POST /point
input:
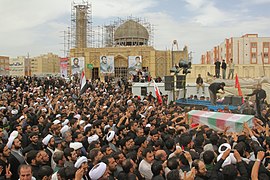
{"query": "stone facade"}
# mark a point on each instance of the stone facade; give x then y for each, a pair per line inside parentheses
(242, 70)
(158, 62)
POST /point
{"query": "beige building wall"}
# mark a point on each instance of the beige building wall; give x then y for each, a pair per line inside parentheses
(158, 62)
(248, 49)
(47, 64)
(4, 65)
(242, 70)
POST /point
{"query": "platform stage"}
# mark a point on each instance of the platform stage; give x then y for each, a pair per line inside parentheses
(200, 104)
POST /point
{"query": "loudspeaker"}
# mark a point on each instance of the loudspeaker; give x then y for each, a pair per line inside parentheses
(180, 81)
(106, 78)
(228, 100)
(236, 100)
(169, 83)
(136, 78)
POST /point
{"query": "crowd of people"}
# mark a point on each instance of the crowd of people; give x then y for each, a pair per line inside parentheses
(49, 131)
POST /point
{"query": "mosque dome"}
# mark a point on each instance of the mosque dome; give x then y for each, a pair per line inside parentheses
(131, 33)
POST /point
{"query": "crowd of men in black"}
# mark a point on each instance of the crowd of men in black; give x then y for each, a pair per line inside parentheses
(49, 131)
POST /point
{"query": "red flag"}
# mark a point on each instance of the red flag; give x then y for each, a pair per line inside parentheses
(237, 85)
(236, 81)
(157, 93)
(149, 78)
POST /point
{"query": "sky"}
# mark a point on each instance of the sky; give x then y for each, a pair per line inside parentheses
(36, 26)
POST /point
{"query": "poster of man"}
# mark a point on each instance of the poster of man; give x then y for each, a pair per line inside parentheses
(134, 63)
(106, 64)
(77, 65)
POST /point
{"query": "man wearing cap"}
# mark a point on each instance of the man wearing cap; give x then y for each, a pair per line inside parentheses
(49, 143)
(16, 158)
(14, 118)
(111, 138)
(92, 140)
(77, 146)
(59, 147)
(82, 163)
(215, 88)
(56, 127)
(99, 171)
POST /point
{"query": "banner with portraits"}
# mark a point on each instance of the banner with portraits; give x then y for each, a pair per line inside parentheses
(64, 67)
(77, 65)
(107, 64)
(134, 64)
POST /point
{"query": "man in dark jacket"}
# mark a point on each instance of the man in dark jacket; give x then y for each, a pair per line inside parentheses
(223, 67)
(260, 97)
(34, 145)
(215, 88)
(217, 68)
(199, 83)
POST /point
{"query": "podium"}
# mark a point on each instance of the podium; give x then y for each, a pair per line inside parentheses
(228, 100)
(236, 100)
(232, 100)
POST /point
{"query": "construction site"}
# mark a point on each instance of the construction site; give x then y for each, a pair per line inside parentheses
(123, 38)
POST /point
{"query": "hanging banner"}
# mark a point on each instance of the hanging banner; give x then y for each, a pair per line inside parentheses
(134, 64)
(106, 64)
(64, 67)
(77, 65)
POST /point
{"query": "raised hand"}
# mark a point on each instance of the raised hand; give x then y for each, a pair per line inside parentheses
(8, 172)
(226, 154)
(260, 155)
(237, 156)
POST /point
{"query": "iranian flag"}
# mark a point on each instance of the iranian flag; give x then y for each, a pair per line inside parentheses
(83, 83)
(157, 93)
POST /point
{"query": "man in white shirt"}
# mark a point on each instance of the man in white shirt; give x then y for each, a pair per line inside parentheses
(145, 164)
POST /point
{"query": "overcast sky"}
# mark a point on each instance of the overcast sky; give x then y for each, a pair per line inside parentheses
(34, 26)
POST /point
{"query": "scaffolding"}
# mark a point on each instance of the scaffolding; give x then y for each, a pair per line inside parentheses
(66, 42)
(103, 36)
(81, 25)
(82, 33)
